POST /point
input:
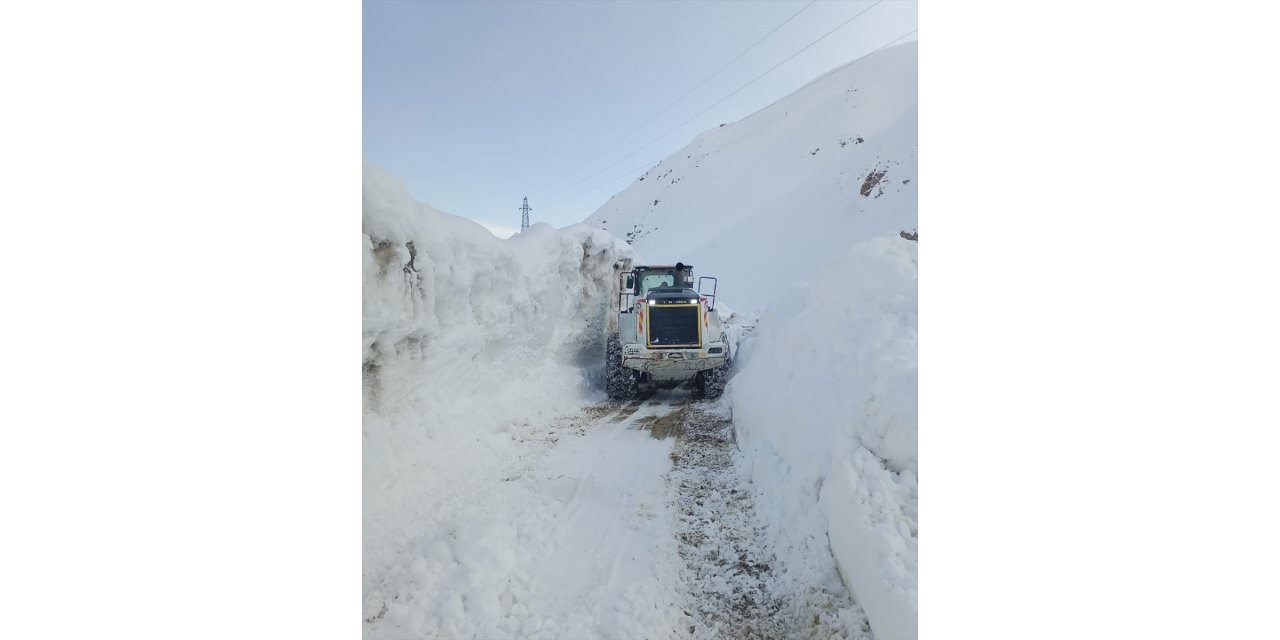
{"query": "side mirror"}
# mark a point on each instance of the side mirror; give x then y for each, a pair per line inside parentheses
(631, 282)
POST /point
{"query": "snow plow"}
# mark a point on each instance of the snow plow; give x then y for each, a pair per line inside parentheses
(662, 329)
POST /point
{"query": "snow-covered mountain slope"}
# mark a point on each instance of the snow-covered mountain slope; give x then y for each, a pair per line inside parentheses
(470, 345)
(798, 209)
(763, 202)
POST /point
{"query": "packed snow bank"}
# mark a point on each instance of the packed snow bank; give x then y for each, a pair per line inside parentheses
(468, 342)
(824, 404)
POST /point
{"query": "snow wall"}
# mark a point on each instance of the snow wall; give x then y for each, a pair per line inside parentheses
(468, 341)
(824, 405)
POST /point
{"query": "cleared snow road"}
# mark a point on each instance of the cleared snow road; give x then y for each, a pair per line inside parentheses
(632, 520)
(730, 574)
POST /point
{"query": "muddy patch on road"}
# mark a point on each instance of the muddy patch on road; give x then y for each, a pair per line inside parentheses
(662, 427)
(627, 411)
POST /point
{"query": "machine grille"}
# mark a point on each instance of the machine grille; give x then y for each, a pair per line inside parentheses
(673, 326)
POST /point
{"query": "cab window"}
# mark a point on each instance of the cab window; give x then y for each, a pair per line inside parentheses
(654, 280)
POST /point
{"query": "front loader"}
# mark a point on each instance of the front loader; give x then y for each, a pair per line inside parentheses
(662, 329)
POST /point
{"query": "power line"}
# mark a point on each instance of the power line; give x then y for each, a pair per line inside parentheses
(673, 103)
(655, 162)
(891, 42)
(726, 66)
(610, 180)
(716, 103)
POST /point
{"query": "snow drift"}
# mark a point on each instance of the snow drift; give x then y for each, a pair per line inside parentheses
(468, 342)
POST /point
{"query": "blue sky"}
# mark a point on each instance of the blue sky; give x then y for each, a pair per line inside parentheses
(475, 105)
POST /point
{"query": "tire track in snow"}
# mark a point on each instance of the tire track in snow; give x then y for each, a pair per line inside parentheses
(729, 566)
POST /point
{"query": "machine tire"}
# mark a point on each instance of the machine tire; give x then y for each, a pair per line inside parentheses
(710, 383)
(620, 382)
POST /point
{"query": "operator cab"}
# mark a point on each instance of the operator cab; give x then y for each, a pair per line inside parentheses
(663, 279)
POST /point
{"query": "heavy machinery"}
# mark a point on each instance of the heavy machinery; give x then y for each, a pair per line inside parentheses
(662, 329)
